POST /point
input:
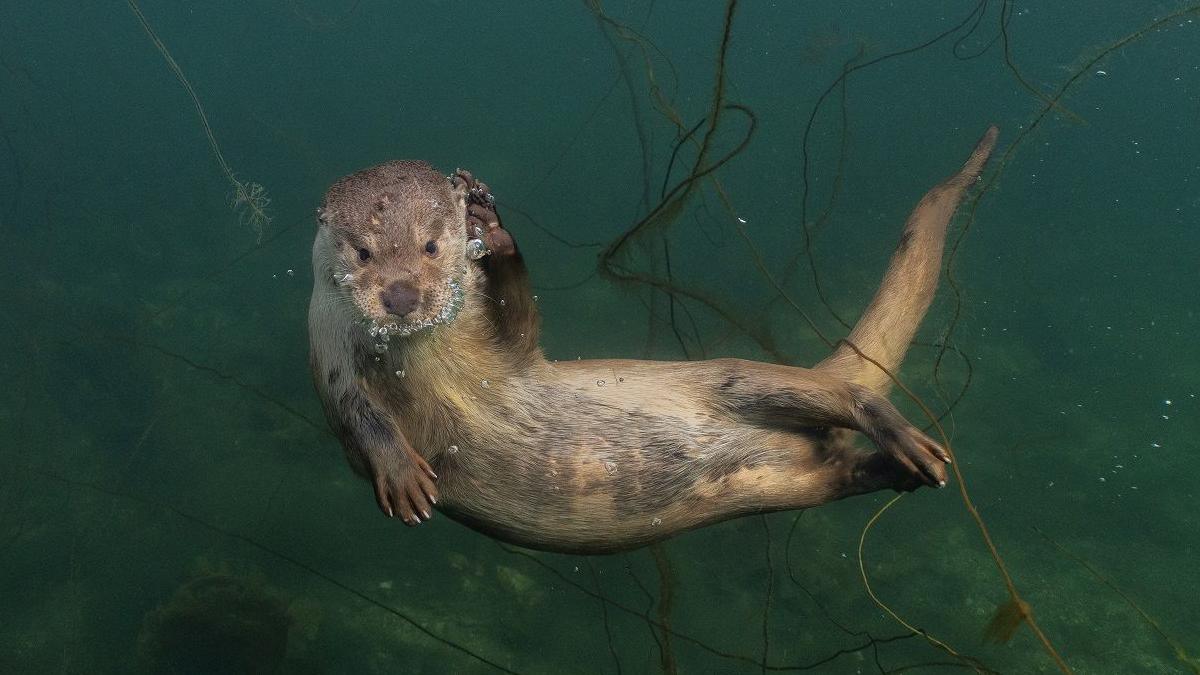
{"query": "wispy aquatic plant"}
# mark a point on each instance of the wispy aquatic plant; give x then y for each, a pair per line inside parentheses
(248, 199)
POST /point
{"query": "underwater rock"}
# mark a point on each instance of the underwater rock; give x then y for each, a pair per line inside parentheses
(217, 623)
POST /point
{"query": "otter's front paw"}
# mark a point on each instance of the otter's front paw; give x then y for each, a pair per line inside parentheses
(482, 219)
(406, 489)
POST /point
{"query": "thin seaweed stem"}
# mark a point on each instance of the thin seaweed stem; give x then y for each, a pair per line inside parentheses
(249, 199)
(862, 570)
(1016, 608)
(612, 649)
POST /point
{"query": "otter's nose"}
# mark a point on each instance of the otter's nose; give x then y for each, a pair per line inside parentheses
(400, 298)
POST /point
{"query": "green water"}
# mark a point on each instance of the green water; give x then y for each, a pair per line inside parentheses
(163, 452)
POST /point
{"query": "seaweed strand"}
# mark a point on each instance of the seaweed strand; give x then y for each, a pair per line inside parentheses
(862, 570)
(612, 649)
(249, 197)
(666, 595)
(766, 616)
(1002, 163)
(658, 643)
(1016, 610)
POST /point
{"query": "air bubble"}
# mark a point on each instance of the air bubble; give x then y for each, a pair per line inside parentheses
(476, 249)
(291, 273)
(484, 383)
(611, 468)
(656, 522)
(452, 449)
(399, 373)
(599, 383)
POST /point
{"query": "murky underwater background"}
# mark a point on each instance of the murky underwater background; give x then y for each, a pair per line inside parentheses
(170, 501)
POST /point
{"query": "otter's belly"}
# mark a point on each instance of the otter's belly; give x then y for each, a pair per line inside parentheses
(625, 480)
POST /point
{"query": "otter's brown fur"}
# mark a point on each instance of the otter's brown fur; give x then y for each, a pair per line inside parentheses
(592, 456)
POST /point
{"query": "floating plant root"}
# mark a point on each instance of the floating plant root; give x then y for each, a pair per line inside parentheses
(248, 199)
(862, 570)
(1016, 610)
(666, 592)
(669, 208)
(1051, 104)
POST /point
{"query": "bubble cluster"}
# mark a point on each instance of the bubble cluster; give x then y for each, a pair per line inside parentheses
(383, 332)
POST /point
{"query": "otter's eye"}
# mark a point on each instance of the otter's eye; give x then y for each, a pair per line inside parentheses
(431, 247)
(364, 255)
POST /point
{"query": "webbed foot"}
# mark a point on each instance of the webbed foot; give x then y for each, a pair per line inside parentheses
(915, 454)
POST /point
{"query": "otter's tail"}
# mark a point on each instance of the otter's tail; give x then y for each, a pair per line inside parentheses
(890, 322)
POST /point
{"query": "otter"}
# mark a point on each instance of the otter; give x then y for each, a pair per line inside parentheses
(427, 362)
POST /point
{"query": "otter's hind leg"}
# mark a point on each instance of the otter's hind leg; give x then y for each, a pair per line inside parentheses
(787, 398)
(858, 472)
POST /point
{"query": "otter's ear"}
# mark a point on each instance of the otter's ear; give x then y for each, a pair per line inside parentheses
(460, 186)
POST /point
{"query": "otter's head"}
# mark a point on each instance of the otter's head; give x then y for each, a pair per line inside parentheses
(398, 237)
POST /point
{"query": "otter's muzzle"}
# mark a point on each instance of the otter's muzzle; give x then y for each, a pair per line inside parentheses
(400, 298)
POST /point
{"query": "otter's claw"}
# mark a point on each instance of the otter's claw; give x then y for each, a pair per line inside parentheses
(919, 455)
(407, 491)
